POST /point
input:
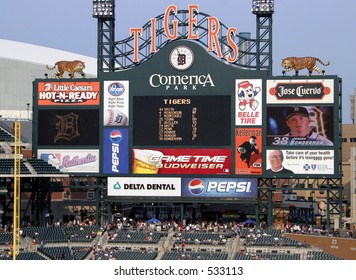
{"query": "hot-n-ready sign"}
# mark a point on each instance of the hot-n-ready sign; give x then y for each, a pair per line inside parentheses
(68, 93)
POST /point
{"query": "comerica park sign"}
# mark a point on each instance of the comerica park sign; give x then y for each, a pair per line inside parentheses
(171, 31)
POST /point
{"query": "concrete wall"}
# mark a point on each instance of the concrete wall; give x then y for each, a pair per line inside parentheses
(341, 247)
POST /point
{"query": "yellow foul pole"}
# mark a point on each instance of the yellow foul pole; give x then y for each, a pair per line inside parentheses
(17, 208)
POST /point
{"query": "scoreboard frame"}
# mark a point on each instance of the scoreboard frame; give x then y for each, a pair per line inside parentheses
(252, 99)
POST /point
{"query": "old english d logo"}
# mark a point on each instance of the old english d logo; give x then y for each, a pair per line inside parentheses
(67, 127)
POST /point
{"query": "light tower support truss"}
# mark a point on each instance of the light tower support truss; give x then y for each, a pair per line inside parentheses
(106, 62)
(264, 42)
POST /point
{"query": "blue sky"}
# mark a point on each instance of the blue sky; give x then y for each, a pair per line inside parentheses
(324, 29)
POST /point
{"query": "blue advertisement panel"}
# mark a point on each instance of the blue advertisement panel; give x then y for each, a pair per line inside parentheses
(219, 187)
(116, 151)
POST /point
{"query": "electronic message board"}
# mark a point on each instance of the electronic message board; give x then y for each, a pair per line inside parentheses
(182, 120)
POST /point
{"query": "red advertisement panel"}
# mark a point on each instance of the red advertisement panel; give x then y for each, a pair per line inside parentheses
(181, 161)
(68, 93)
(248, 152)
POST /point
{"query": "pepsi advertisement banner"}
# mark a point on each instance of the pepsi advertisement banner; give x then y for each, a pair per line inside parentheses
(116, 149)
(219, 187)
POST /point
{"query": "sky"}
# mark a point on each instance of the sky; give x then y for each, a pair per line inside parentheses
(319, 28)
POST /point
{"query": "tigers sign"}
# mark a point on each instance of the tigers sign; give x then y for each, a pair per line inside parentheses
(171, 31)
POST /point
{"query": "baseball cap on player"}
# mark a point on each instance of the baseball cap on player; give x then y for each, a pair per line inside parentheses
(297, 110)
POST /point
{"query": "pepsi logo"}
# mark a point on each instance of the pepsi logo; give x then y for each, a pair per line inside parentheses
(116, 89)
(115, 136)
(196, 186)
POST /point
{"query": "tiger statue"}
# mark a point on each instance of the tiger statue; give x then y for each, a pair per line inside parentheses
(297, 63)
(69, 66)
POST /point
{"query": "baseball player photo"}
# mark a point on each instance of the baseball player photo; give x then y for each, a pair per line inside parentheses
(300, 126)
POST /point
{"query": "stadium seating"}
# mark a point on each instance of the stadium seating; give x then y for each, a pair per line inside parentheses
(320, 255)
(202, 238)
(7, 166)
(194, 256)
(81, 233)
(43, 167)
(80, 242)
(35, 256)
(57, 253)
(134, 255)
(6, 238)
(6, 137)
(137, 237)
(47, 234)
(80, 253)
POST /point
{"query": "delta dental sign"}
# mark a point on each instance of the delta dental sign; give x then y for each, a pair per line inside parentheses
(171, 31)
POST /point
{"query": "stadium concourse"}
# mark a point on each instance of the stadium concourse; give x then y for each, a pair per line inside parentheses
(128, 239)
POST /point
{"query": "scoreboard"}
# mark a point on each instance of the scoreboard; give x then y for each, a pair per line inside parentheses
(182, 118)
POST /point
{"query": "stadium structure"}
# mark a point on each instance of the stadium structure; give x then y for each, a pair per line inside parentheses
(153, 134)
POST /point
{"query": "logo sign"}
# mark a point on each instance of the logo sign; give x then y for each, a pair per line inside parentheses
(219, 187)
(116, 89)
(181, 161)
(144, 186)
(290, 91)
(171, 31)
(181, 82)
(248, 102)
(116, 103)
(72, 161)
(68, 93)
(116, 151)
(181, 58)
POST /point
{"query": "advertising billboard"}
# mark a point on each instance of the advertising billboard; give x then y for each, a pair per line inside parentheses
(72, 161)
(219, 187)
(55, 93)
(144, 186)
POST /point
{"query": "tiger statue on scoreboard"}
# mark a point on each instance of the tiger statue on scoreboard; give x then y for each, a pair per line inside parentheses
(298, 63)
(75, 66)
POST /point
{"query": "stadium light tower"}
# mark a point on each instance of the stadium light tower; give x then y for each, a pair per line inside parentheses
(104, 11)
(263, 9)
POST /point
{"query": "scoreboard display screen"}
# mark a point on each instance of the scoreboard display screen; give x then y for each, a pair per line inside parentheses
(182, 120)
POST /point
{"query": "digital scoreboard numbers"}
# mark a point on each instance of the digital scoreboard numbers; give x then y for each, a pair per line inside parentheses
(182, 120)
(169, 119)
